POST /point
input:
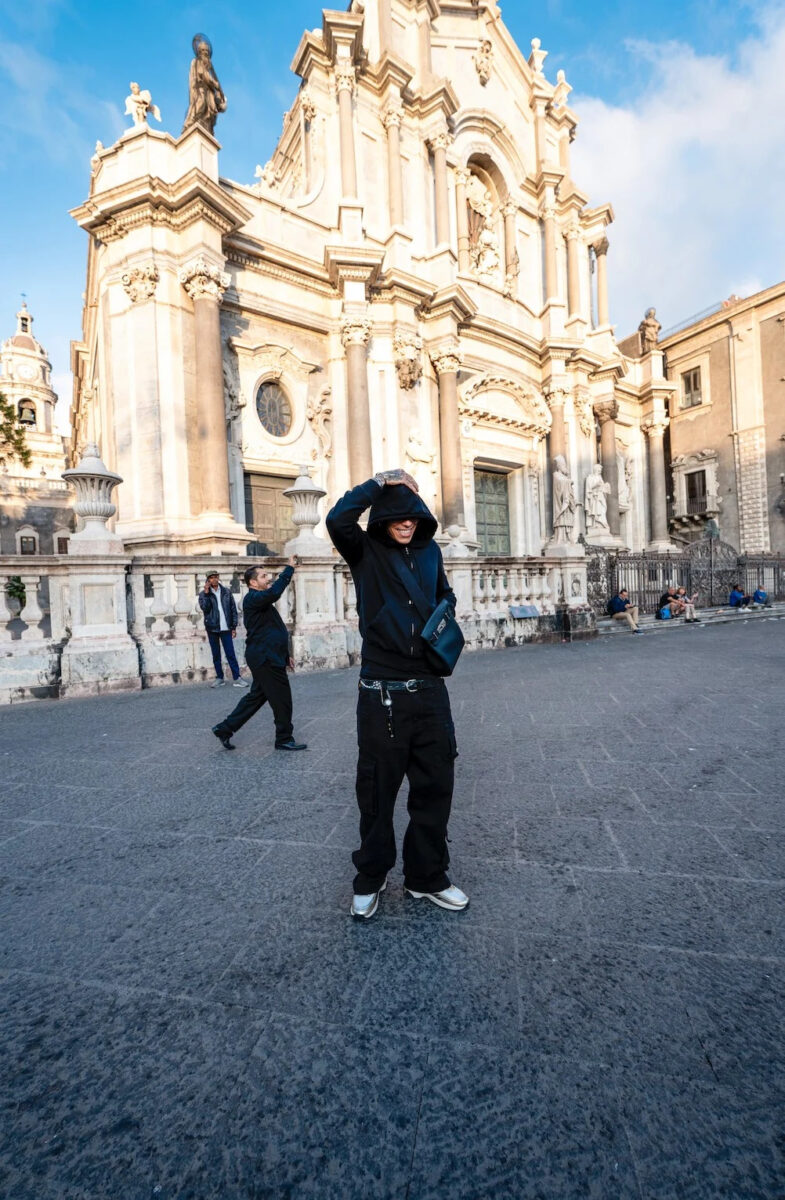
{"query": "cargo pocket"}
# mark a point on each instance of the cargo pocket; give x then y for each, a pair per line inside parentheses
(367, 797)
(450, 745)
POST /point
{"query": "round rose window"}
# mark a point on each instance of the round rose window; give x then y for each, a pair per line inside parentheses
(274, 409)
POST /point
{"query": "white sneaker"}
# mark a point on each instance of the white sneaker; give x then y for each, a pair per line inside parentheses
(451, 897)
(366, 906)
(239, 683)
(218, 683)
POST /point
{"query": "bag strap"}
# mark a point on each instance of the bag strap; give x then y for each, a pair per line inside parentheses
(406, 576)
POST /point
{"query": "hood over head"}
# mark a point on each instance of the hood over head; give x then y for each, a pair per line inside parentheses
(396, 503)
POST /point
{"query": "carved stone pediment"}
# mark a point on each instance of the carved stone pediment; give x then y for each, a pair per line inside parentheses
(496, 400)
(274, 360)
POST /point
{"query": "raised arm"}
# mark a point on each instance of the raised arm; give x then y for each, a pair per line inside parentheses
(260, 600)
(342, 519)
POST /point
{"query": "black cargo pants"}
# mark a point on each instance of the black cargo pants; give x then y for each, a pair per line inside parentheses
(423, 749)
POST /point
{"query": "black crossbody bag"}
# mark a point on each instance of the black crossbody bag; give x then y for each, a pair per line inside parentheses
(442, 637)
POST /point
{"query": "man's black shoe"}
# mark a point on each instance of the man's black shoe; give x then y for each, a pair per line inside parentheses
(223, 737)
(291, 744)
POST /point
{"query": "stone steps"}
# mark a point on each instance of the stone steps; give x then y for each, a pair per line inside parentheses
(720, 615)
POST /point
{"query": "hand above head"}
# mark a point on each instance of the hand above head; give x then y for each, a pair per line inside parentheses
(293, 560)
(395, 477)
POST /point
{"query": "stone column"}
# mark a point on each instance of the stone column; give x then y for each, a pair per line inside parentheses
(510, 212)
(557, 443)
(206, 285)
(573, 270)
(607, 411)
(655, 429)
(600, 250)
(447, 361)
(438, 144)
(462, 218)
(355, 332)
(548, 215)
(345, 82)
(392, 116)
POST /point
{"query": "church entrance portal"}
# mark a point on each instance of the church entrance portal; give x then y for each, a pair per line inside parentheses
(268, 513)
(492, 506)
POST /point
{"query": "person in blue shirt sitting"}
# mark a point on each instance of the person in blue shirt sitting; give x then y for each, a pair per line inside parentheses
(738, 599)
(621, 609)
(761, 597)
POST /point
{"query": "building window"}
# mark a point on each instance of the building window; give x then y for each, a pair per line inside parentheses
(493, 511)
(26, 411)
(691, 388)
(62, 545)
(696, 492)
(27, 545)
(274, 409)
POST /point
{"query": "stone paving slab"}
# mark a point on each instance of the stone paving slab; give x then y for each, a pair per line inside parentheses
(189, 1012)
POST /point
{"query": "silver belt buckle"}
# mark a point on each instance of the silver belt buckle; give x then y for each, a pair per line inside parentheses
(411, 685)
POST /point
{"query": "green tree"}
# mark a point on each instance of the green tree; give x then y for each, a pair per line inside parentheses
(12, 434)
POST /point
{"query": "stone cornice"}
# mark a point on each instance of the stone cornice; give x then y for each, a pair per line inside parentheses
(309, 54)
(277, 263)
(149, 200)
(396, 284)
(603, 214)
(358, 263)
(451, 301)
(342, 29)
(391, 71)
(439, 100)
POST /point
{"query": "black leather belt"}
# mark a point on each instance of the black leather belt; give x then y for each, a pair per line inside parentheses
(399, 685)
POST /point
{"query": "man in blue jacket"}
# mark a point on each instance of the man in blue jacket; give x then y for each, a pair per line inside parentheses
(220, 622)
(267, 655)
(404, 724)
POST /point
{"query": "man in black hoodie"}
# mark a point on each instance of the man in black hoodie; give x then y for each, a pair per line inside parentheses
(404, 724)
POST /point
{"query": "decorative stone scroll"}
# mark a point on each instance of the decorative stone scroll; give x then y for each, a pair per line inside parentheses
(140, 282)
(407, 348)
(201, 281)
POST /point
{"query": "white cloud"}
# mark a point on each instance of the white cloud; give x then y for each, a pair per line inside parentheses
(694, 171)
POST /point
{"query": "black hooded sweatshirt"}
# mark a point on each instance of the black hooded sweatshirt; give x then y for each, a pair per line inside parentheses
(390, 625)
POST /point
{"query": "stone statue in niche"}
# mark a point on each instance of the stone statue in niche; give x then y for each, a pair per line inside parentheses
(624, 474)
(483, 242)
(421, 463)
(649, 329)
(563, 502)
(138, 104)
(319, 414)
(205, 94)
(482, 61)
(595, 490)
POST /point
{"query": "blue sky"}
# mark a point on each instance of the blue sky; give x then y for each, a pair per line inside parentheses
(680, 108)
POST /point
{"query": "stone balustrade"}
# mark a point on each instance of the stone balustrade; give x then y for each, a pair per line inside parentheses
(95, 622)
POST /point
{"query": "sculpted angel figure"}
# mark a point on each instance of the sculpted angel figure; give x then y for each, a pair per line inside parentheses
(563, 501)
(139, 104)
(596, 489)
(205, 94)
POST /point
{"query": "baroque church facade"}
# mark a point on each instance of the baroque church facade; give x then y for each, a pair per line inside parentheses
(414, 279)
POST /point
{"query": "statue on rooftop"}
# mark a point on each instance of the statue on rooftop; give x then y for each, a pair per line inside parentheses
(139, 103)
(649, 329)
(205, 95)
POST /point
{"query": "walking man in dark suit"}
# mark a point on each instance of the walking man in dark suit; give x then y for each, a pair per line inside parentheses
(267, 655)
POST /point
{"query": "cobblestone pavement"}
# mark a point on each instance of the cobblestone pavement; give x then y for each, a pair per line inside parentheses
(189, 1011)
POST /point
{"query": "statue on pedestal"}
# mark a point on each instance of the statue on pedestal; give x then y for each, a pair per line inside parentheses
(596, 489)
(139, 104)
(563, 501)
(205, 95)
(649, 329)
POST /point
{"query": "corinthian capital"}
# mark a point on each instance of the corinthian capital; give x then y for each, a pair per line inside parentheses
(393, 112)
(655, 426)
(572, 231)
(345, 76)
(355, 330)
(462, 176)
(555, 396)
(600, 247)
(547, 212)
(606, 410)
(140, 282)
(201, 281)
(440, 140)
(446, 358)
(509, 208)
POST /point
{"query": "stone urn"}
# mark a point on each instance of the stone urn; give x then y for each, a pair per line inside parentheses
(93, 483)
(305, 496)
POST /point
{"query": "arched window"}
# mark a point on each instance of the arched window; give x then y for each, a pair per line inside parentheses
(26, 413)
(274, 408)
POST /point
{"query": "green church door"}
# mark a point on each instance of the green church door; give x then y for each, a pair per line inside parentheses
(493, 512)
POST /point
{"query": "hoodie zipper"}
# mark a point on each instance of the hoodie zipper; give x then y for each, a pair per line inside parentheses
(411, 606)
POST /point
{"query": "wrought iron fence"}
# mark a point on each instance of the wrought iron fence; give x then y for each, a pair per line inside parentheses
(708, 567)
